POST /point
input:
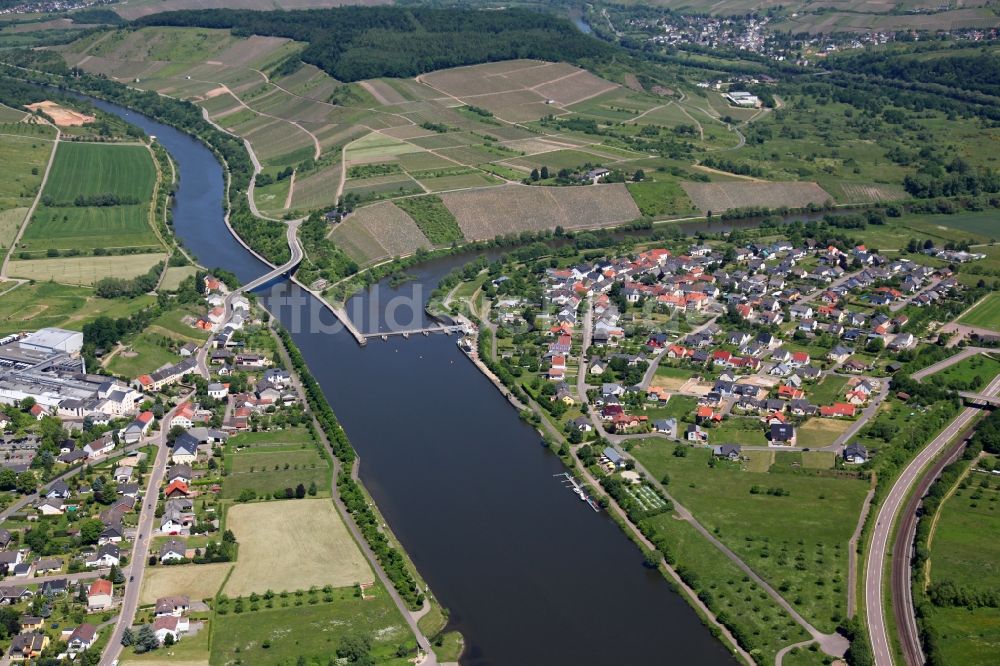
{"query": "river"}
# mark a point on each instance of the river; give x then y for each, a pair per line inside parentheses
(531, 575)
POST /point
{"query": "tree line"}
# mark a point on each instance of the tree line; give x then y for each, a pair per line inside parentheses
(354, 43)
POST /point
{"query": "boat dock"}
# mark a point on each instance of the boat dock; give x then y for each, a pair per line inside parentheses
(569, 481)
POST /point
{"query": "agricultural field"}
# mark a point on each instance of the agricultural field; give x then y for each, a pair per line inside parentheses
(491, 212)
(985, 314)
(293, 545)
(97, 196)
(266, 472)
(198, 581)
(805, 553)
(89, 169)
(84, 270)
(292, 628)
(379, 231)
(717, 197)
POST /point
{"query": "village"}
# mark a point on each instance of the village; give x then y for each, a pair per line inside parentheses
(113, 459)
(760, 347)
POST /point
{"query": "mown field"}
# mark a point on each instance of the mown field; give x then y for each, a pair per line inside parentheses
(85, 169)
(198, 581)
(804, 554)
(293, 545)
(84, 270)
(144, 354)
(986, 313)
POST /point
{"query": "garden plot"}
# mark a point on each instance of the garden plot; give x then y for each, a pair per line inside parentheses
(646, 497)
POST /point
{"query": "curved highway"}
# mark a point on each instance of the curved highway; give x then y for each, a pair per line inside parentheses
(886, 518)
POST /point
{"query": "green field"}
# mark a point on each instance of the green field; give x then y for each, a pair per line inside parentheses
(964, 551)
(970, 374)
(271, 438)
(748, 431)
(804, 552)
(24, 159)
(171, 323)
(268, 469)
(295, 627)
(80, 172)
(967, 638)
(91, 168)
(143, 354)
(33, 306)
(828, 391)
(88, 228)
(766, 626)
(433, 218)
(661, 198)
(985, 314)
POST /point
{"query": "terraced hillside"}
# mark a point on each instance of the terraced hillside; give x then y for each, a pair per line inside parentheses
(505, 145)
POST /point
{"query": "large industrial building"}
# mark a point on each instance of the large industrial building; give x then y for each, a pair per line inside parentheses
(46, 366)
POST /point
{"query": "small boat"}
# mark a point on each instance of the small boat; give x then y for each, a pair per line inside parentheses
(579, 491)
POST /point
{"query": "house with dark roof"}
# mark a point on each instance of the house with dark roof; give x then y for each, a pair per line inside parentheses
(173, 550)
(855, 454)
(782, 434)
(728, 451)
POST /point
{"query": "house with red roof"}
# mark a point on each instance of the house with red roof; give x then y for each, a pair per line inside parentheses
(837, 410)
(100, 595)
(177, 488)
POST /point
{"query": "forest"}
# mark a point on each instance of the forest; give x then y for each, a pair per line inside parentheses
(353, 43)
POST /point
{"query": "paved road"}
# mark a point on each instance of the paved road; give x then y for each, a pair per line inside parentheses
(866, 415)
(140, 547)
(901, 564)
(68, 474)
(951, 360)
(886, 518)
(896, 306)
(582, 368)
(647, 378)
